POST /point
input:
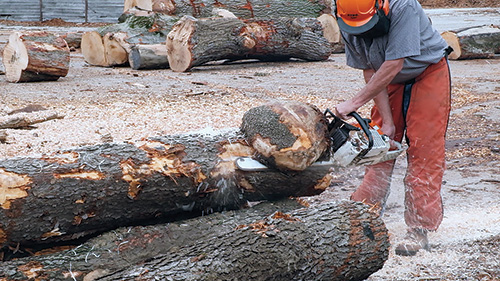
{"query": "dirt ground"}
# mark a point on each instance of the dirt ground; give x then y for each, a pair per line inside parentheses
(121, 104)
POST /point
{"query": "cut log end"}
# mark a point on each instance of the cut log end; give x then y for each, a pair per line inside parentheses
(35, 56)
(179, 46)
(15, 58)
(452, 40)
(93, 49)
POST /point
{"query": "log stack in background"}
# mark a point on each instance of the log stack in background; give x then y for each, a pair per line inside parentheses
(35, 56)
(148, 23)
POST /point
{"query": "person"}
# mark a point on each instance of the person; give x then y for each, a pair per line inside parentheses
(405, 67)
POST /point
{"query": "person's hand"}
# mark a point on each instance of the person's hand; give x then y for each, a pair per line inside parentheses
(389, 130)
(344, 108)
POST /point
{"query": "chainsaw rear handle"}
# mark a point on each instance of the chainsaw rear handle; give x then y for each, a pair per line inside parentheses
(365, 126)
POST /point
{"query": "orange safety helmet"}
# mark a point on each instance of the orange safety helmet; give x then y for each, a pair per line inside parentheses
(365, 18)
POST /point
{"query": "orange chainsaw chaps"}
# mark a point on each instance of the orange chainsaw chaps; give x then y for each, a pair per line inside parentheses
(425, 130)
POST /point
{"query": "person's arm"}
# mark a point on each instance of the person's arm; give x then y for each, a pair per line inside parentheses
(376, 85)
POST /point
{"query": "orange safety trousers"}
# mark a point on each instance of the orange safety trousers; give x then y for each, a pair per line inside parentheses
(425, 129)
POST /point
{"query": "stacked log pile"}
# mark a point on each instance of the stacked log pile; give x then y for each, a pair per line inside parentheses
(301, 29)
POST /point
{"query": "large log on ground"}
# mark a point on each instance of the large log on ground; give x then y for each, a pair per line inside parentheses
(35, 56)
(241, 8)
(281, 241)
(110, 45)
(96, 188)
(194, 42)
(474, 42)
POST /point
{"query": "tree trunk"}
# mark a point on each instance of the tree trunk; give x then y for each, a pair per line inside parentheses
(280, 241)
(96, 188)
(92, 47)
(148, 56)
(74, 39)
(474, 42)
(241, 8)
(195, 42)
(116, 48)
(35, 56)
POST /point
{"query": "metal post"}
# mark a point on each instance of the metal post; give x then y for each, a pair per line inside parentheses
(86, 11)
(41, 10)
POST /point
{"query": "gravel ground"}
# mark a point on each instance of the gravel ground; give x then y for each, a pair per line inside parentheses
(121, 104)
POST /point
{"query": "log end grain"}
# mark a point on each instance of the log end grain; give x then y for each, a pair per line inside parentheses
(15, 57)
(93, 49)
(179, 44)
(452, 40)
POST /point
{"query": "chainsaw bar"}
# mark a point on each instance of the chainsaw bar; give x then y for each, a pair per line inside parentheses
(248, 164)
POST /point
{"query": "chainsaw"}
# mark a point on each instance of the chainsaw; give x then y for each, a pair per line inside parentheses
(350, 145)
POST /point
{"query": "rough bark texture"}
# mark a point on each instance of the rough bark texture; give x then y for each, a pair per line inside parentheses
(280, 241)
(288, 135)
(35, 56)
(241, 8)
(474, 42)
(193, 42)
(96, 188)
(148, 56)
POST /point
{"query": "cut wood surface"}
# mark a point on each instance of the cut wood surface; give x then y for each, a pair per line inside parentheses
(95, 188)
(111, 45)
(288, 135)
(474, 43)
(241, 8)
(23, 119)
(35, 56)
(193, 42)
(271, 241)
(148, 56)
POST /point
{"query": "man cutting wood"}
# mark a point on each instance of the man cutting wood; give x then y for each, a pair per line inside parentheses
(404, 64)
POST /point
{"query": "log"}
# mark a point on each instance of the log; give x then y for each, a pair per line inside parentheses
(152, 56)
(193, 42)
(241, 8)
(91, 189)
(110, 45)
(73, 39)
(93, 49)
(281, 241)
(35, 56)
(478, 42)
(25, 119)
(287, 135)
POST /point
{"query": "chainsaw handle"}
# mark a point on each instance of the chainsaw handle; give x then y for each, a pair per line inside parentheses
(366, 129)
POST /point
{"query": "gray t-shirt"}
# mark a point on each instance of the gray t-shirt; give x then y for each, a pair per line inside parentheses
(411, 36)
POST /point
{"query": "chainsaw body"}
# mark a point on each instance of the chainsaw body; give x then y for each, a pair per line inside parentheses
(350, 145)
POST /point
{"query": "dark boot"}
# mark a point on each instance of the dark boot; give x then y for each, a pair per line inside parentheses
(414, 241)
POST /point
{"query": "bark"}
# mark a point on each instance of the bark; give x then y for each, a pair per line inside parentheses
(74, 39)
(23, 119)
(280, 241)
(241, 8)
(194, 42)
(148, 57)
(474, 42)
(91, 189)
(35, 56)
